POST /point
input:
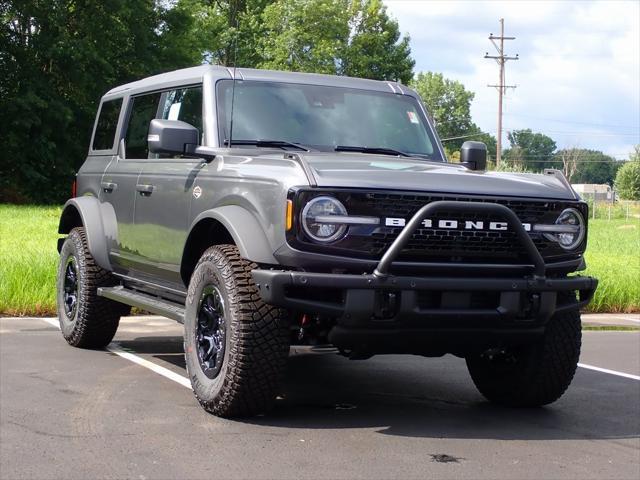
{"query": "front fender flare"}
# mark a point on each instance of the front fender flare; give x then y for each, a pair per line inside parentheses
(99, 222)
(246, 231)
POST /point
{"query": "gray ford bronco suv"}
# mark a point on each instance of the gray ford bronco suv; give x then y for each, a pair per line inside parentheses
(264, 209)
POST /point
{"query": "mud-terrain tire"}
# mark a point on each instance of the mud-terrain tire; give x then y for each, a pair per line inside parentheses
(236, 346)
(86, 320)
(532, 375)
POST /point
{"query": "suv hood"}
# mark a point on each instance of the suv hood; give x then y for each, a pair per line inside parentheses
(392, 173)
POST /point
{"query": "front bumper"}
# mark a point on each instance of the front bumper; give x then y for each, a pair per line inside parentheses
(427, 316)
(356, 299)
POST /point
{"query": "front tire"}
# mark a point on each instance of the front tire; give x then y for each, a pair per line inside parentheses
(86, 320)
(531, 375)
(236, 346)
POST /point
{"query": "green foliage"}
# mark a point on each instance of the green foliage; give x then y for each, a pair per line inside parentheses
(612, 257)
(344, 37)
(28, 259)
(591, 166)
(449, 103)
(305, 36)
(57, 60)
(375, 49)
(628, 181)
(222, 32)
(533, 151)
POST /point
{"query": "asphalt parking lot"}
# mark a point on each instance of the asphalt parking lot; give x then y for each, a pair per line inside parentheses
(70, 413)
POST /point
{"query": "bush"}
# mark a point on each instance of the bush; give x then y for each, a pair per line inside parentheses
(628, 181)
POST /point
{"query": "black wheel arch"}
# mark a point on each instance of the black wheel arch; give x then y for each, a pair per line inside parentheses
(231, 225)
(99, 222)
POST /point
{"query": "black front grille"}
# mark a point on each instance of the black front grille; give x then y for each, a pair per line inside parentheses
(446, 245)
(455, 244)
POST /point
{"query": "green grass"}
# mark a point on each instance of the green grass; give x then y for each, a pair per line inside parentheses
(28, 260)
(613, 256)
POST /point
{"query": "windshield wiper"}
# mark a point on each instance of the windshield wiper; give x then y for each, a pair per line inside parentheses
(379, 150)
(268, 143)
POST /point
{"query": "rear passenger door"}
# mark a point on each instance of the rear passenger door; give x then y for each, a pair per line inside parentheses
(165, 193)
(120, 181)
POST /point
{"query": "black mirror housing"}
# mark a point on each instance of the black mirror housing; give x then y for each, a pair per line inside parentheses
(473, 155)
(172, 137)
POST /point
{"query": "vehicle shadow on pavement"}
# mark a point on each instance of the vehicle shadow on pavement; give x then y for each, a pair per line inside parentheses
(418, 397)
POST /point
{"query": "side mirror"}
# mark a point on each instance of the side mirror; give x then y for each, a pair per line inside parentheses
(473, 155)
(172, 137)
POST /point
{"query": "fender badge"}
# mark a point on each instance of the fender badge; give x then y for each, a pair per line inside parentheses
(197, 191)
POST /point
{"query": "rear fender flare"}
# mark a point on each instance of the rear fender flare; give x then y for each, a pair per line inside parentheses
(99, 222)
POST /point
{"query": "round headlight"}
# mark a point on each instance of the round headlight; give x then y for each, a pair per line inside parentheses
(574, 233)
(315, 223)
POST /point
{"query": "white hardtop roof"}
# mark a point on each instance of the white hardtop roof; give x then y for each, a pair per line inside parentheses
(195, 75)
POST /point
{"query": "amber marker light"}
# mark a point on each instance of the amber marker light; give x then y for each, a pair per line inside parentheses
(289, 222)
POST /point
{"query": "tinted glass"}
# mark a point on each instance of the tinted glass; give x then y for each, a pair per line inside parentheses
(324, 117)
(107, 124)
(186, 105)
(143, 110)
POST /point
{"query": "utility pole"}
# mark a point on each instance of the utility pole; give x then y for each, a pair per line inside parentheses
(501, 59)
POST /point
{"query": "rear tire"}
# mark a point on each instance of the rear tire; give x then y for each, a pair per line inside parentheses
(531, 375)
(86, 320)
(236, 346)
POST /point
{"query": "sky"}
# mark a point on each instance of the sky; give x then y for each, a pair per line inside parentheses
(578, 73)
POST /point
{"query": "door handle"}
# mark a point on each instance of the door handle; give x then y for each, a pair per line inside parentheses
(108, 187)
(145, 190)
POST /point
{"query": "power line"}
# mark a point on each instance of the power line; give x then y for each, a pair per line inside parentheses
(477, 134)
(501, 59)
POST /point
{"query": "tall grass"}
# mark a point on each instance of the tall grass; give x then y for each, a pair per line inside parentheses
(613, 256)
(28, 260)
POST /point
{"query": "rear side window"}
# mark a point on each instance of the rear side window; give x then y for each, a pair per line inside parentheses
(107, 124)
(143, 110)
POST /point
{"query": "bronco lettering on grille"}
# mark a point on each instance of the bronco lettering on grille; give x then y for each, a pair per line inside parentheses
(455, 224)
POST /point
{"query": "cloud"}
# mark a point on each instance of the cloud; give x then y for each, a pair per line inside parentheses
(578, 76)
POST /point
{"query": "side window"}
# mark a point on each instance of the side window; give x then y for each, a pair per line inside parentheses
(107, 124)
(184, 104)
(143, 109)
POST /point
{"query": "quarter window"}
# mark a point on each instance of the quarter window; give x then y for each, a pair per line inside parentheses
(107, 124)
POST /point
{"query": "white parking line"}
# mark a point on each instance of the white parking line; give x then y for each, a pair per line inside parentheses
(165, 372)
(610, 372)
(184, 381)
(115, 348)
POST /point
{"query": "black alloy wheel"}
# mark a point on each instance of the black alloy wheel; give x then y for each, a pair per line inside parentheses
(70, 287)
(87, 320)
(211, 331)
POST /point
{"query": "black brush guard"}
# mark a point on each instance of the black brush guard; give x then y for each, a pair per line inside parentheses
(384, 305)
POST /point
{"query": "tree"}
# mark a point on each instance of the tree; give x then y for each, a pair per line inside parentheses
(375, 49)
(57, 59)
(569, 160)
(343, 37)
(587, 166)
(532, 151)
(628, 177)
(306, 36)
(221, 32)
(449, 103)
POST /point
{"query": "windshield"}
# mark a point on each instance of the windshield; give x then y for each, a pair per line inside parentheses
(324, 118)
